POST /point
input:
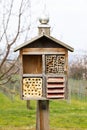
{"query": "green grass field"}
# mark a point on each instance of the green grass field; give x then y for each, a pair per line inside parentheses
(63, 116)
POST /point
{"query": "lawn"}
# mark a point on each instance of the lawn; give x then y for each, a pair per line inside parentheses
(63, 116)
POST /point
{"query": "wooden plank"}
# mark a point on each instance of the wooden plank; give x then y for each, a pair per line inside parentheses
(21, 72)
(55, 75)
(39, 53)
(55, 96)
(51, 80)
(55, 91)
(43, 113)
(43, 72)
(66, 77)
(42, 50)
(55, 85)
(32, 75)
(34, 98)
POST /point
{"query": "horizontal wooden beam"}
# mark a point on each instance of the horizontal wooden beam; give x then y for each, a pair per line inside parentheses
(27, 51)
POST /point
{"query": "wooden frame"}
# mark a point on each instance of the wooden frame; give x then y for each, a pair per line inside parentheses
(33, 52)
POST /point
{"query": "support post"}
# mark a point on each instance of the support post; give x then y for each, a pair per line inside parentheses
(42, 117)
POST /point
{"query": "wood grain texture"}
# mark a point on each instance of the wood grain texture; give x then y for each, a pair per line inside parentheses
(32, 64)
(44, 50)
(55, 87)
(43, 115)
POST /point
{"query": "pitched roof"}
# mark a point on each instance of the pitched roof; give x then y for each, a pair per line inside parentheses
(45, 36)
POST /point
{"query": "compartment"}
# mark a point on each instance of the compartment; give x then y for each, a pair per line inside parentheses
(32, 64)
(55, 87)
(32, 87)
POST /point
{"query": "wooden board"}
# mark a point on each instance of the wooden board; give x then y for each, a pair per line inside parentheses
(32, 64)
(27, 51)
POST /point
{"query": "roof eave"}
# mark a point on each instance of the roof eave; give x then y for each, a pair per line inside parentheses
(49, 37)
(26, 43)
(61, 43)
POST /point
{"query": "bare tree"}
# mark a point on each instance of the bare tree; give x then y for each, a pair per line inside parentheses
(78, 67)
(14, 25)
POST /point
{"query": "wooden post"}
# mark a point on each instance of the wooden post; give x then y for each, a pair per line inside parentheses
(42, 119)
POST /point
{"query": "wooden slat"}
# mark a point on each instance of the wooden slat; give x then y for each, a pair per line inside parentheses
(55, 85)
(55, 96)
(21, 72)
(38, 53)
(55, 80)
(33, 98)
(32, 75)
(55, 91)
(42, 50)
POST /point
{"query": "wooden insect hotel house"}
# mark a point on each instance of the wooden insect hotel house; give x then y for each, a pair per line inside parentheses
(44, 66)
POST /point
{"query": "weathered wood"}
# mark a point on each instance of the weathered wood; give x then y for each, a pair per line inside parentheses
(55, 87)
(55, 91)
(32, 75)
(43, 72)
(42, 53)
(43, 115)
(32, 64)
(21, 72)
(57, 79)
(66, 78)
(34, 98)
(45, 30)
(44, 50)
(55, 96)
(44, 41)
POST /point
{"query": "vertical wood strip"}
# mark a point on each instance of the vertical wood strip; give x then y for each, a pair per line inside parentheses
(43, 73)
(66, 76)
(21, 74)
(42, 115)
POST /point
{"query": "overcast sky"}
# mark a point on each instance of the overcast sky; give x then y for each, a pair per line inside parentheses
(68, 20)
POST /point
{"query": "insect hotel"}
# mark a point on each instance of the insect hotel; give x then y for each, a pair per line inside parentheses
(44, 71)
(44, 66)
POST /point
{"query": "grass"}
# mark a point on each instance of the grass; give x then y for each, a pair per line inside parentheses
(69, 115)
(63, 116)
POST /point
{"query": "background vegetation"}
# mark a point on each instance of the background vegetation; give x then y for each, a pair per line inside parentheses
(13, 111)
(64, 115)
(71, 114)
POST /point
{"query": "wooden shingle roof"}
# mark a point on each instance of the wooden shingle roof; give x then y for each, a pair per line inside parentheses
(47, 37)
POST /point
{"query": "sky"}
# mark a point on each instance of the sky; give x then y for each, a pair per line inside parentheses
(68, 20)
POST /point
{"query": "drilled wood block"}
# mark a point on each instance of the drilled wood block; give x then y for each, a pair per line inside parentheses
(32, 87)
